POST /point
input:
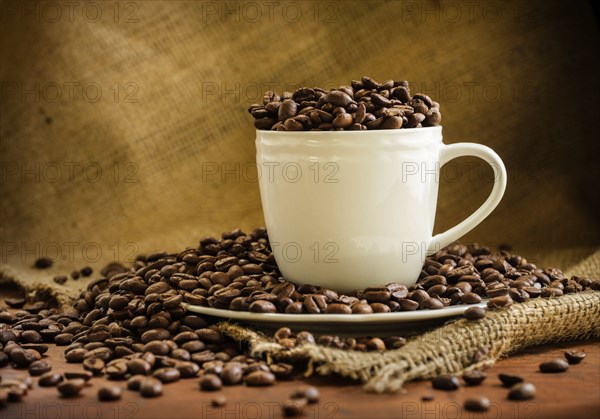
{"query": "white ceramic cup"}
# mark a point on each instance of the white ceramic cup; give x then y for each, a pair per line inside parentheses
(354, 209)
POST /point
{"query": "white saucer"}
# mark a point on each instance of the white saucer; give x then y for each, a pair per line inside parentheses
(398, 323)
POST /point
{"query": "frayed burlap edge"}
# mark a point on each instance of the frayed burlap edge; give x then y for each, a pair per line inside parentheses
(458, 346)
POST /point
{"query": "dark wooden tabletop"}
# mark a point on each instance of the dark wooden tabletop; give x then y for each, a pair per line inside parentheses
(573, 394)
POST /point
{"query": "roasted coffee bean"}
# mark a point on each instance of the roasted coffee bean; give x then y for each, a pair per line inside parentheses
(93, 365)
(259, 378)
(71, 388)
(4, 359)
(477, 404)
(49, 379)
(84, 375)
(262, 306)
(522, 391)
(474, 377)
(574, 357)
(167, 375)
(556, 365)
(310, 393)
(210, 382)
(431, 304)
(138, 366)
(445, 382)
(187, 369)
(509, 380)
(22, 358)
(87, 271)
(43, 263)
(338, 309)
(117, 371)
(109, 393)
(39, 367)
(474, 313)
(294, 407)
(150, 387)
(135, 381)
(500, 302)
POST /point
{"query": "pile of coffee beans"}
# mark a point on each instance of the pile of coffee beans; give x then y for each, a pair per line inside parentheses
(228, 276)
(364, 105)
(129, 325)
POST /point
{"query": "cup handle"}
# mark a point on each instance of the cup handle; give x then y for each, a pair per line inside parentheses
(453, 151)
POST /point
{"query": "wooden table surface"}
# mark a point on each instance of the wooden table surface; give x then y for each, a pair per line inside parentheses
(574, 394)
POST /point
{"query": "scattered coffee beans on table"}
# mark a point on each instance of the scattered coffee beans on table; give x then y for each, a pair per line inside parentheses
(129, 323)
(364, 105)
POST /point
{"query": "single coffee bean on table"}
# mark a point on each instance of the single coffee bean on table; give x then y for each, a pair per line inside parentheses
(109, 393)
(574, 357)
(445, 382)
(509, 380)
(150, 387)
(71, 388)
(522, 391)
(474, 377)
(477, 404)
(555, 365)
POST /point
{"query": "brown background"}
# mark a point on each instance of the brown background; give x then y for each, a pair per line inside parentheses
(518, 76)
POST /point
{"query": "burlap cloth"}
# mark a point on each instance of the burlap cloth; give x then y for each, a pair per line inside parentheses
(125, 133)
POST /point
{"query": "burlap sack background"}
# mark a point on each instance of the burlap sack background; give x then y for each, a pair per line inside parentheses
(154, 94)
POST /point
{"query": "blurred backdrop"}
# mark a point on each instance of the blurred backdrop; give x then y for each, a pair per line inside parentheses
(124, 126)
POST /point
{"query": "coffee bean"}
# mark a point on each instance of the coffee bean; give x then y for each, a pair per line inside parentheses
(84, 375)
(556, 365)
(39, 367)
(574, 357)
(338, 309)
(138, 366)
(87, 271)
(109, 393)
(522, 391)
(262, 306)
(155, 334)
(93, 365)
(294, 407)
(167, 375)
(259, 378)
(135, 381)
(16, 302)
(4, 359)
(22, 358)
(150, 387)
(232, 374)
(43, 263)
(71, 388)
(509, 380)
(477, 404)
(474, 377)
(445, 382)
(49, 379)
(117, 371)
(187, 369)
(210, 382)
(474, 313)
(310, 393)
(500, 302)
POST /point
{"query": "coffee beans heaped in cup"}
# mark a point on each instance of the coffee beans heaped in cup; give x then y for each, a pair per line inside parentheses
(364, 105)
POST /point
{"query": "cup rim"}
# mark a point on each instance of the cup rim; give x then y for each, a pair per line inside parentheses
(404, 134)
